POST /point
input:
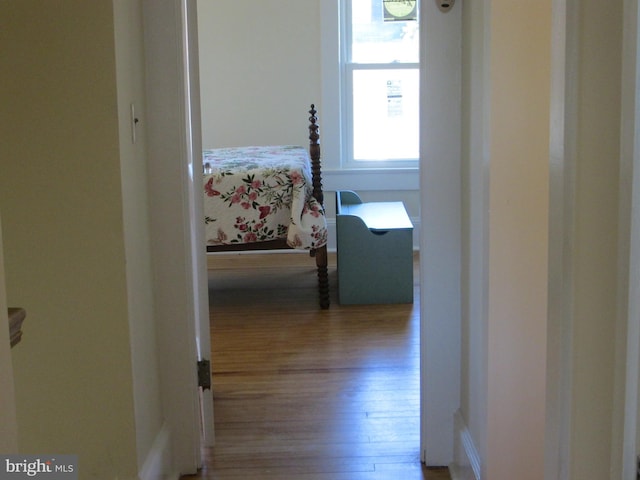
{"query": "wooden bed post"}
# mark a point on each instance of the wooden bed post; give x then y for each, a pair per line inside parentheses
(314, 153)
(320, 254)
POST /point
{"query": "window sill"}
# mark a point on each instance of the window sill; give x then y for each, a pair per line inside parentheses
(375, 179)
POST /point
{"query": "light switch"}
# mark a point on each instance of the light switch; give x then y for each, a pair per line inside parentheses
(134, 123)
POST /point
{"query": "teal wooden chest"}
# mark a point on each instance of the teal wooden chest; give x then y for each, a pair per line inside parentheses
(375, 251)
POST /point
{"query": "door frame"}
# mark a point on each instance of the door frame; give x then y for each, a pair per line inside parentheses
(630, 212)
(181, 301)
(440, 243)
(440, 236)
(196, 212)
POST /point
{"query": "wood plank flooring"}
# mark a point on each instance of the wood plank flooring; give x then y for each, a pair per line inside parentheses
(309, 394)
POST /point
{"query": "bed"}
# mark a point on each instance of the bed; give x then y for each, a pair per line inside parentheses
(268, 197)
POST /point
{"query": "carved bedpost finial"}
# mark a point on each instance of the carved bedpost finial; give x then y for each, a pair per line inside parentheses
(314, 153)
(313, 127)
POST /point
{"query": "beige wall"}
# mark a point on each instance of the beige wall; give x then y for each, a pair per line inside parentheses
(518, 235)
(66, 239)
(598, 95)
(506, 155)
(8, 423)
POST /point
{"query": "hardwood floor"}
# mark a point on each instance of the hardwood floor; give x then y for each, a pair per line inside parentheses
(310, 394)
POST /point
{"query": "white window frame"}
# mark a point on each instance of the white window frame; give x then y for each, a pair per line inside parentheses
(338, 174)
(347, 69)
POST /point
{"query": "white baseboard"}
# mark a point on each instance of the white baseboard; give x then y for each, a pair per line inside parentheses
(455, 473)
(467, 461)
(158, 464)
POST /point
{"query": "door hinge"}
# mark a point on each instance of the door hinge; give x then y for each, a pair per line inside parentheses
(204, 374)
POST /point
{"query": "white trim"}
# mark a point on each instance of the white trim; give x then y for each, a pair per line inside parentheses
(467, 462)
(170, 227)
(347, 69)
(196, 233)
(383, 179)
(440, 236)
(333, 107)
(329, 112)
(561, 239)
(158, 461)
(630, 167)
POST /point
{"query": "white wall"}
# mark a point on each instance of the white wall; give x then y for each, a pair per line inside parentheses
(260, 70)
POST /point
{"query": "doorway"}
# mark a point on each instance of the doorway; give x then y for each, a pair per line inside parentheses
(440, 187)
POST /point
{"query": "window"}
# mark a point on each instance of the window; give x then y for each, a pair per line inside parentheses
(380, 82)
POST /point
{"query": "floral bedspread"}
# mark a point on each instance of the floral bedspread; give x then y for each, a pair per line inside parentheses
(255, 194)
